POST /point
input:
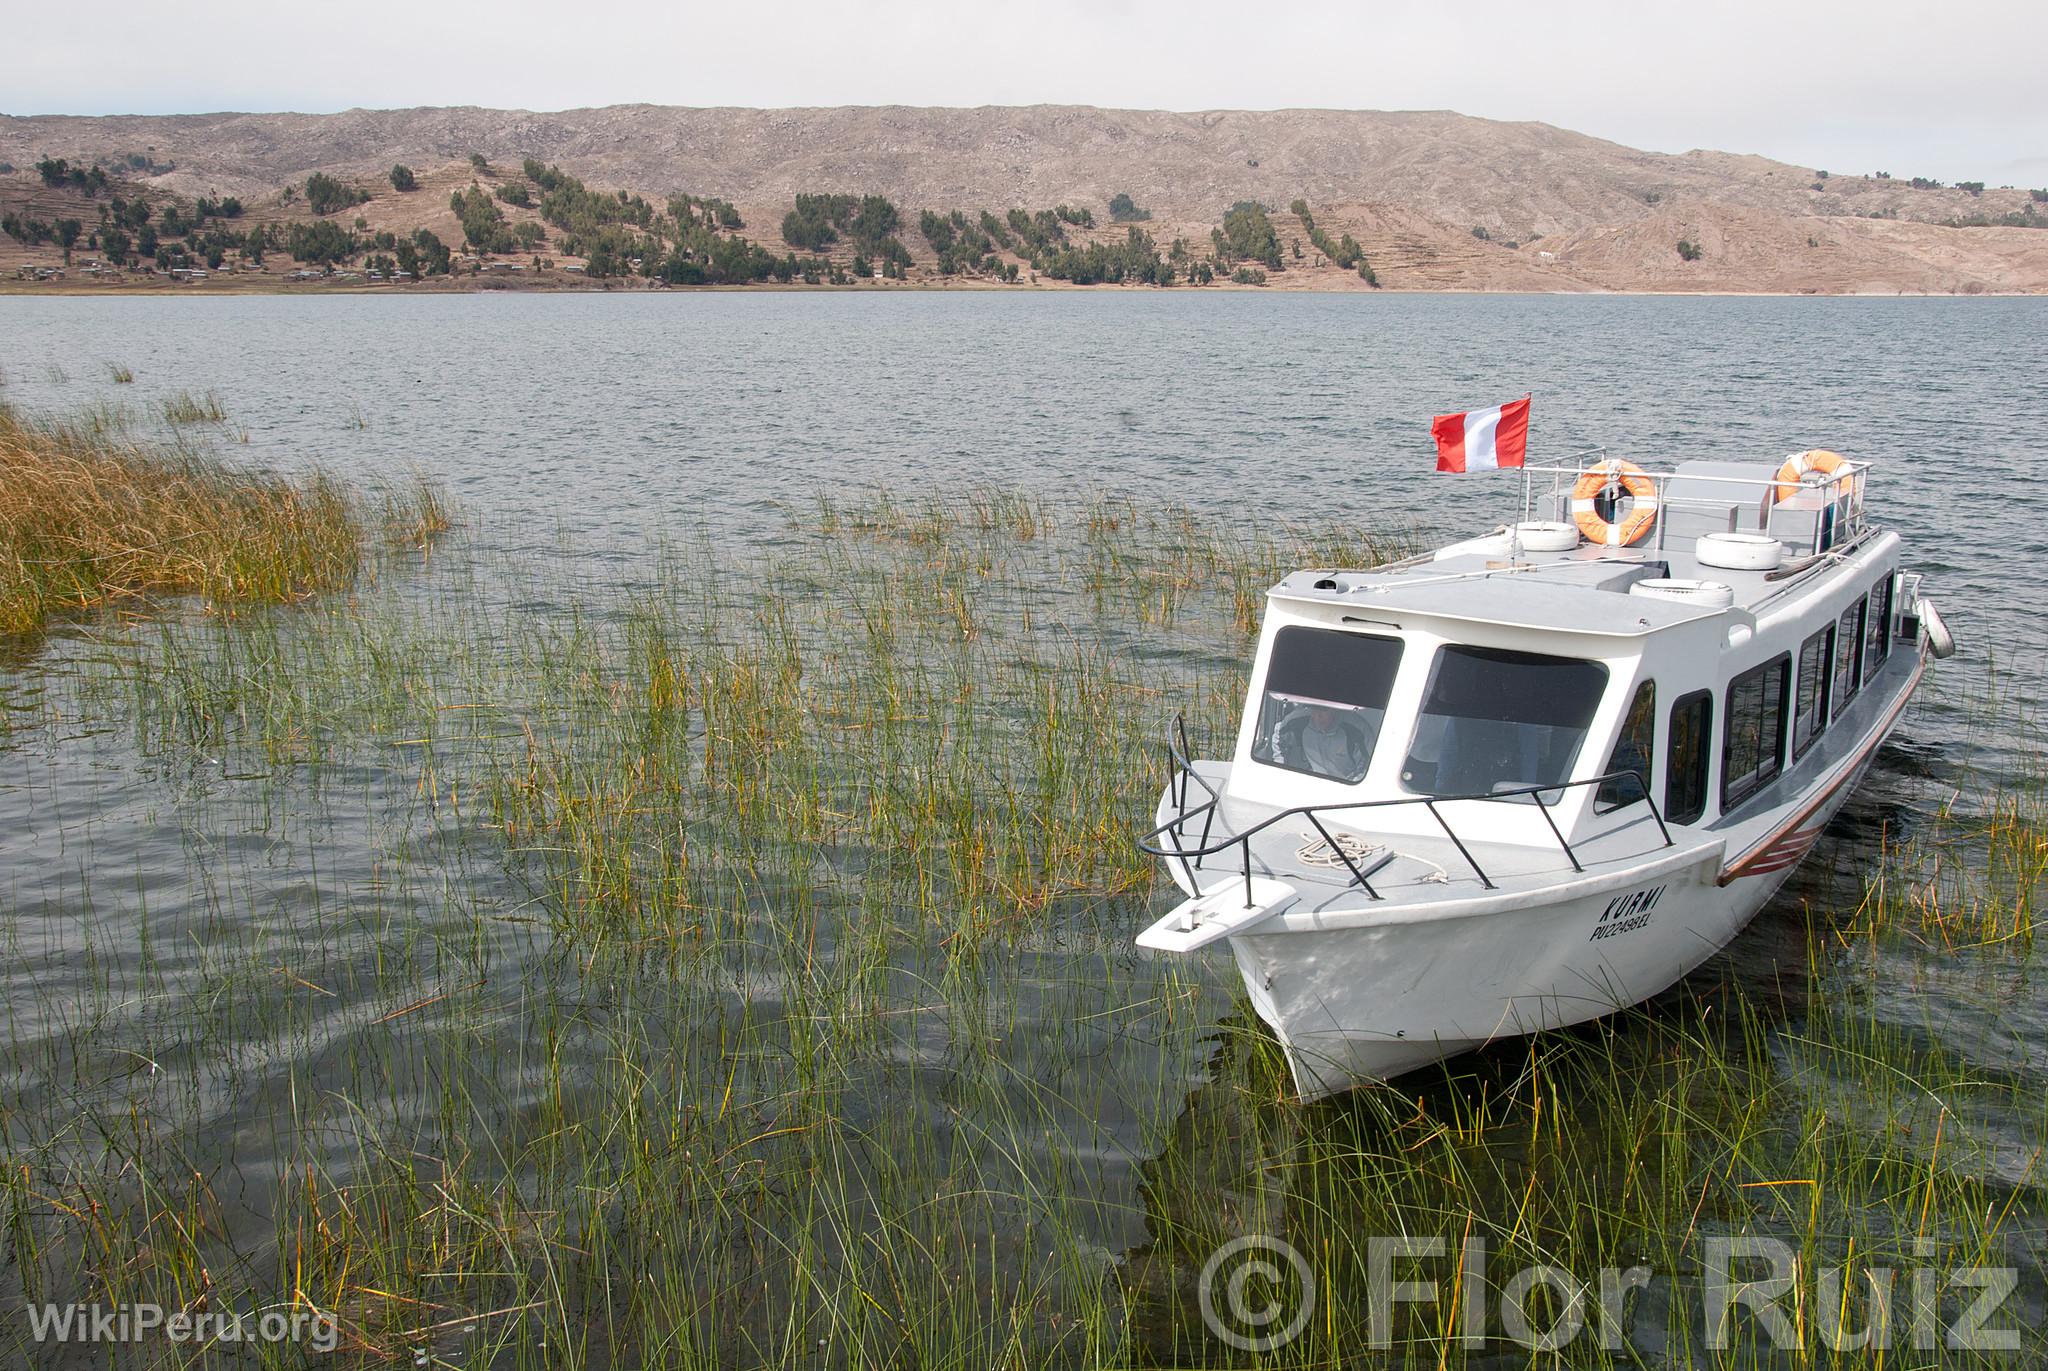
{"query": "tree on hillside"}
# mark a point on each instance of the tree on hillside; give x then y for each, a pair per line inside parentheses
(433, 253)
(483, 223)
(1247, 234)
(322, 242)
(325, 195)
(56, 171)
(402, 178)
(807, 231)
(1124, 210)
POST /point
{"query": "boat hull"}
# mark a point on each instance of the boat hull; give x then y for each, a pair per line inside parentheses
(1359, 1004)
(1367, 1002)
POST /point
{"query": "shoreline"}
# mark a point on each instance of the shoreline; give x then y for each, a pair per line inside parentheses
(71, 290)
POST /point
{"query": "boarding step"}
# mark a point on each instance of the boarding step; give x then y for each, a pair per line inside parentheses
(1228, 907)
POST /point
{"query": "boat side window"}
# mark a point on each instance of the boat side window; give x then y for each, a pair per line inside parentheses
(1324, 698)
(1753, 739)
(1810, 704)
(1877, 641)
(1848, 656)
(1632, 752)
(1495, 719)
(1685, 757)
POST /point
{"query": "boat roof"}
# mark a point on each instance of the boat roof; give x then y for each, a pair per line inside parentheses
(1576, 590)
(1545, 593)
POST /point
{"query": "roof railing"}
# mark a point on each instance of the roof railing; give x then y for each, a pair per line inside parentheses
(1190, 858)
(1841, 519)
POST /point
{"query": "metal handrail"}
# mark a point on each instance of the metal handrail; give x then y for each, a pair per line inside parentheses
(1848, 478)
(1190, 857)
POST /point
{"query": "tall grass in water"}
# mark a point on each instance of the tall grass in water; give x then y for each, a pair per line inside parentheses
(416, 512)
(87, 516)
(735, 970)
(1969, 872)
(187, 408)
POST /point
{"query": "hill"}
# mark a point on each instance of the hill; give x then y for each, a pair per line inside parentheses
(1441, 200)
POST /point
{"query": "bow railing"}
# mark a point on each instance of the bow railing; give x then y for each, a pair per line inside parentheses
(1208, 811)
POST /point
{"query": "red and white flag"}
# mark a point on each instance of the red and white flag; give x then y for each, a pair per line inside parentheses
(1482, 439)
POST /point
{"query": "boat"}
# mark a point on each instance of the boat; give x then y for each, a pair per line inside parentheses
(1537, 776)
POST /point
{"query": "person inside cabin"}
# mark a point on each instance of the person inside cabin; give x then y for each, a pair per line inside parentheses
(1330, 746)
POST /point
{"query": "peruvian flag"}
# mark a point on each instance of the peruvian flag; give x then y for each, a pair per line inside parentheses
(1482, 439)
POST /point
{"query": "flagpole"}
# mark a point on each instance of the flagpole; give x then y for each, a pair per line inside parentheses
(1514, 539)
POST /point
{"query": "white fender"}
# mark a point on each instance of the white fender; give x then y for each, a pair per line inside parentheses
(1712, 594)
(1940, 642)
(1544, 536)
(1739, 551)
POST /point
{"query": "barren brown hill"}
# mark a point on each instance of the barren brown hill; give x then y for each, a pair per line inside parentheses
(1437, 200)
(1752, 250)
(1514, 179)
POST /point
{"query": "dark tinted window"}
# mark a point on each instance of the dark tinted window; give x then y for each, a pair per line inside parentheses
(1495, 720)
(1848, 655)
(1877, 635)
(1685, 758)
(1753, 740)
(1810, 704)
(1633, 750)
(1324, 698)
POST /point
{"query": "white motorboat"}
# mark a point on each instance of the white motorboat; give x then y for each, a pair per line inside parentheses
(1538, 776)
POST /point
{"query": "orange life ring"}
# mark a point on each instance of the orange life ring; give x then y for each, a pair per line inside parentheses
(1625, 529)
(1792, 476)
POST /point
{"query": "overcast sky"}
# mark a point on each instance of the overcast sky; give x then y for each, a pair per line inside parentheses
(1950, 90)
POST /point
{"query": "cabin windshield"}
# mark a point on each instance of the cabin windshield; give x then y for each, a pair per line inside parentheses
(1495, 720)
(1324, 699)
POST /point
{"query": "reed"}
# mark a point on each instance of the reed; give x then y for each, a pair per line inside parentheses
(416, 512)
(87, 517)
(187, 408)
(734, 970)
(1967, 872)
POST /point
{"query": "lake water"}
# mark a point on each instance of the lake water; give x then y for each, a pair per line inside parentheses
(607, 425)
(606, 419)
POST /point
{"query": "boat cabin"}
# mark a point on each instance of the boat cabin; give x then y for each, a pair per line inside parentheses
(1538, 687)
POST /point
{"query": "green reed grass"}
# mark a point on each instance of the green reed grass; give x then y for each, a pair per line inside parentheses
(1969, 872)
(736, 971)
(187, 408)
(88, 516)
(416, 512)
